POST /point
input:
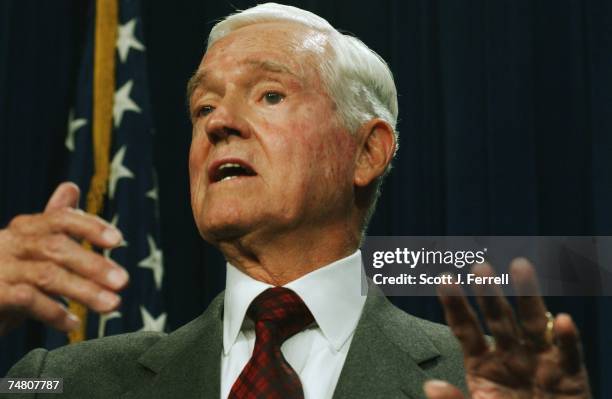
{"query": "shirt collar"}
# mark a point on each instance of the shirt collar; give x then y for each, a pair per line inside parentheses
(332, 294)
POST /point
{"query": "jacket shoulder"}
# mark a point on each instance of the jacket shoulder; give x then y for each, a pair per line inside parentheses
(398, 320)
(102, 364)
(426, 337)
(439, 334)
(116, 349)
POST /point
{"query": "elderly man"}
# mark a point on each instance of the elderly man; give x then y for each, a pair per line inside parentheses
(293, 130)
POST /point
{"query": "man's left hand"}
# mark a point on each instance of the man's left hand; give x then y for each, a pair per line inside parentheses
(534, 357)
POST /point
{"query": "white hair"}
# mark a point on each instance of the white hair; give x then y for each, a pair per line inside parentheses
(358, 80)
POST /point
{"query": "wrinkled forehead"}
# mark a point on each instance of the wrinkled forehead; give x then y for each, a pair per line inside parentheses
(290, 42)
(283, 46)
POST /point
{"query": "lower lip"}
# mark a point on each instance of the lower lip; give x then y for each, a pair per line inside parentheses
(233, 179)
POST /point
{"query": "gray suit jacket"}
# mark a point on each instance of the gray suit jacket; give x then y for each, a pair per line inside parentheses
(392, 354)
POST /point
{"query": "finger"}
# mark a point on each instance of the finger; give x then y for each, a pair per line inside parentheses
(531, 308)
(63, 251)
(437, 389)
(497, 312)
(72, 222)
(462, 320)
(55, 280)
(568, 340)
(25, 298)
(65, 195)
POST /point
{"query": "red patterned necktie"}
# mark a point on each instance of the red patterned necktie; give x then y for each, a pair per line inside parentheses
(278, 313)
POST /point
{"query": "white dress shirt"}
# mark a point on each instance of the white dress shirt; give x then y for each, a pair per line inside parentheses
(333, 296)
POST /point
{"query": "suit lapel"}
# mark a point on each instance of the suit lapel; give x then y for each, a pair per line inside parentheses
(187, 363)
(384, 357)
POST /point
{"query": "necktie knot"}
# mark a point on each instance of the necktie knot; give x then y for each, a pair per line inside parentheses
(280, 311)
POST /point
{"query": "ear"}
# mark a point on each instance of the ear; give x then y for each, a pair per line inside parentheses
(377, 146)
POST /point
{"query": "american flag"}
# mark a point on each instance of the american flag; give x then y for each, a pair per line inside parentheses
(131, 201)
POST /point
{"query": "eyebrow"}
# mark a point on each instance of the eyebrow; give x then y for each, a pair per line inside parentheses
(193, 83)
(271, 66)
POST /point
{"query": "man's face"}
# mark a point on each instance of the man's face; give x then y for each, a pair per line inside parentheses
(268, 154)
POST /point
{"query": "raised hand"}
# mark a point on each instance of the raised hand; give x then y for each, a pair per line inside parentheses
(39, 257)
(534, 357)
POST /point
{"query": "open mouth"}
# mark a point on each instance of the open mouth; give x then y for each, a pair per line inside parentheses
(228, 170)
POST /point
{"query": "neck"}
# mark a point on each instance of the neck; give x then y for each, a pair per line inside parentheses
(291, 255)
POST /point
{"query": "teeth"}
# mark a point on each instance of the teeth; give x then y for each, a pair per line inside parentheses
(230, 170)
(229, 165)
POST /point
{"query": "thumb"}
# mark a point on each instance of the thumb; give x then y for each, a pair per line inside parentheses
(66, 194)
(437, 389)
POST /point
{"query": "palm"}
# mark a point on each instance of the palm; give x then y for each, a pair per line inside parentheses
(523, 374)
(537, 357)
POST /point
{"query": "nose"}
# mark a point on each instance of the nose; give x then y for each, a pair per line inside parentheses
(226, 121)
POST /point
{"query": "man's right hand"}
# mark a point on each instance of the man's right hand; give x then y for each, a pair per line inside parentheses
(40, 256)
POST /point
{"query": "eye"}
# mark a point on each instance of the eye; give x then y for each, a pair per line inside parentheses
(273, 97)
(204, 111)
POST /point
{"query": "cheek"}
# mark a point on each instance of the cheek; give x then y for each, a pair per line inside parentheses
(334, 153)
(312, 150)
(197, 165)
(339, 155)
(323, 157)
(197, 157)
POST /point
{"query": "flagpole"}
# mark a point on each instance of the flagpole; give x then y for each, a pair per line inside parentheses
(105, 38)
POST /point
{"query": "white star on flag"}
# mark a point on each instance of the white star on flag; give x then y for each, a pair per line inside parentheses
(152, 193)
(154, 262)
(103, 319)
(117, 171)
(73, 126)
(149, 323)
(123, 102)
(126, 40)
(123, 243)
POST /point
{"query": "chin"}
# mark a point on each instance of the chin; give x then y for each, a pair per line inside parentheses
(222, 226)
(215, 236)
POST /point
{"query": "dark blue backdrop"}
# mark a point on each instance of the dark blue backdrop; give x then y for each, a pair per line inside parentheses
(505, 128)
